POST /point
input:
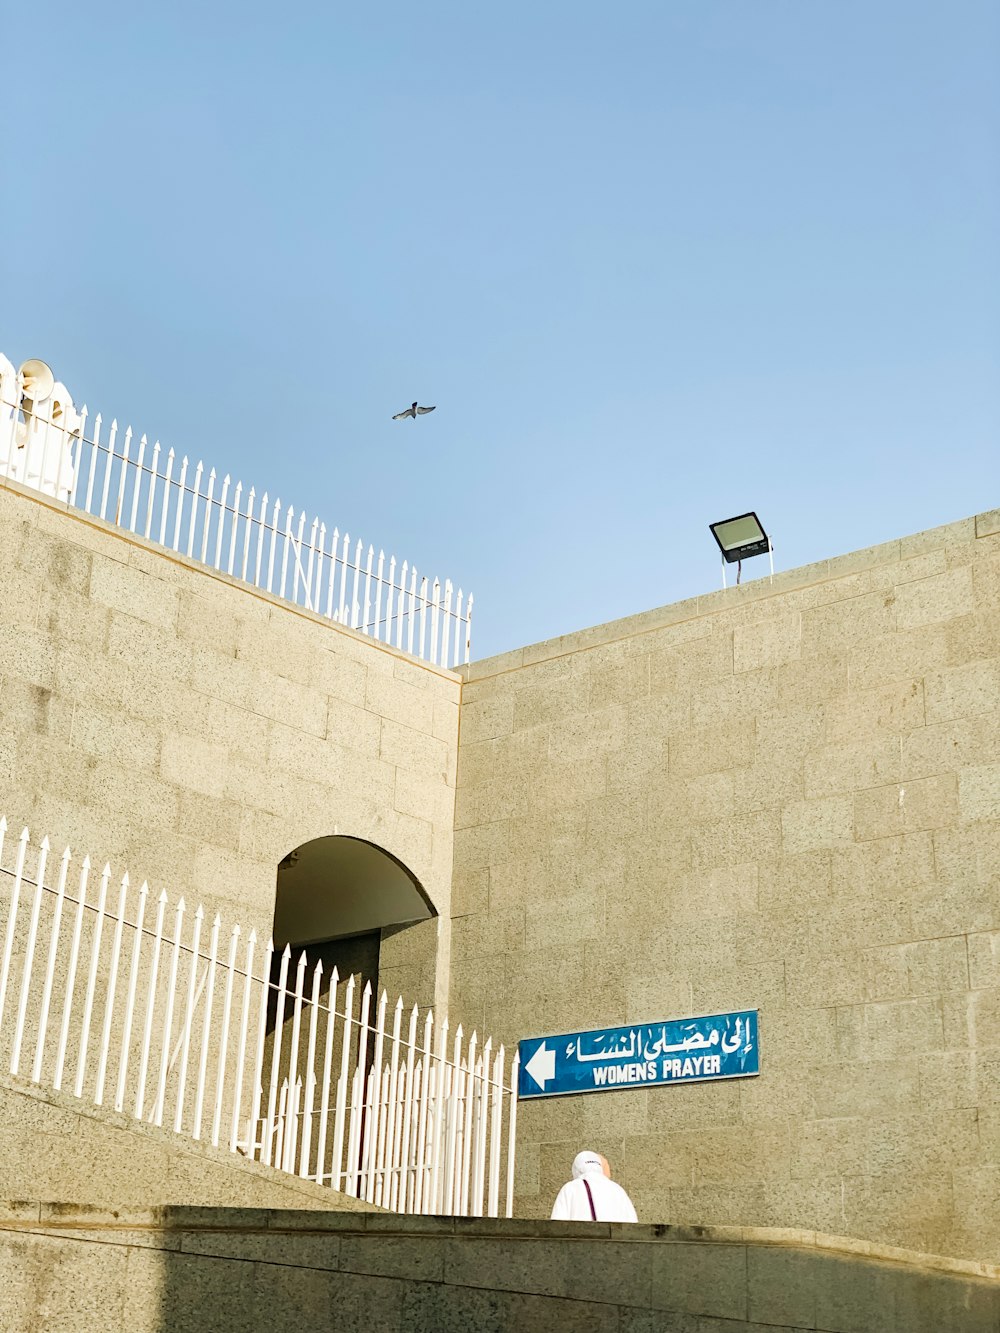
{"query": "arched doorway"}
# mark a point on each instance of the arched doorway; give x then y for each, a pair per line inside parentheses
(335, 896)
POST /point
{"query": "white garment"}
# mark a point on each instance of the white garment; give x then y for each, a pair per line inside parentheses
(611, 1203)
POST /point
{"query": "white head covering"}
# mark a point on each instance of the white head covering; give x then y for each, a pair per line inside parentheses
(587, 1163)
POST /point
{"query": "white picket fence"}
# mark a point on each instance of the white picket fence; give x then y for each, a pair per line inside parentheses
(118, 478)
(97, 1000)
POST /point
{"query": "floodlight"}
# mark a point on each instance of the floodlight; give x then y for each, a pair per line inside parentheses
(740, 538)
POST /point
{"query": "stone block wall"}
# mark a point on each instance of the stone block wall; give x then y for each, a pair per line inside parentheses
(781, 796)
(190, 729)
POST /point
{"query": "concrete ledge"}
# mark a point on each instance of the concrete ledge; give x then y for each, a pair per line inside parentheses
(130, 1165)
(218, 1269)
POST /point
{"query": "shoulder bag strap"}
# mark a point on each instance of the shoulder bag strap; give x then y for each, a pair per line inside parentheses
(590, 1199)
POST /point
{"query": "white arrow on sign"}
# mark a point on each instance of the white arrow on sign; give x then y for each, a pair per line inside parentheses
(542, 1066)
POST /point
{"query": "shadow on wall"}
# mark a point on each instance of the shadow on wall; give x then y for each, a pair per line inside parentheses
(213, 1270)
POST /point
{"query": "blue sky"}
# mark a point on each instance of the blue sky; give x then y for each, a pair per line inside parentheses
(656, 263)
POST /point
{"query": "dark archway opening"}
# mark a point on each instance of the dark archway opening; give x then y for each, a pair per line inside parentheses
(335, 896)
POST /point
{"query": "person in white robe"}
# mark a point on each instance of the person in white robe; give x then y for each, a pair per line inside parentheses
(592, 1196)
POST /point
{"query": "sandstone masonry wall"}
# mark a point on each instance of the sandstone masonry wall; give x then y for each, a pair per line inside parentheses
(784, 797)
(192, 730)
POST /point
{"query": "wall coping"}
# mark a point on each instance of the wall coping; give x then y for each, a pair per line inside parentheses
(43, 1218)
(131, 539)
(986, 524)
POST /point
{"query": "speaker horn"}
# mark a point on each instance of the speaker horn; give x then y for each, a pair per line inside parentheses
(37, 380)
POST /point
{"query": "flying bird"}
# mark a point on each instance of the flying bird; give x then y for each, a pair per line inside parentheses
(412, 411)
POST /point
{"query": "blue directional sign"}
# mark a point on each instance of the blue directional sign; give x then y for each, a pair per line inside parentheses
(682, 1050)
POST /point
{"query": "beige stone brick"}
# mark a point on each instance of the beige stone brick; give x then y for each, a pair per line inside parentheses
(979, 792)
(481, 846)
(829, 979)
(124, 588)
(905, 655)
(57, 561)
(950, 746)
(620, 681)
(929, 601)
(32, 710)
(470, 891)
(144, 801)
(27, 656)
(948, 1082)
(194, 764)
(146, 649)
(569, 784)
(864, 1090)
(883, 866)
(879, 1031)
(737, 841)
(887, 710)
(578, 739)
(952, 906)
(923, 1142)
(986, 579)
(478, 805)
(841, 625)
(827, 1147)
(928, 803)
(496, 934)
(783, 737)
(215, 821)
(294, 704)
(711, 749)
(444, 722)
(747, 984)
(984, 959)
(403, 702)
(476, 763)
(535, 705)
(518, 756)
(407, 748)
(201, 619)
(730, 699)
(339, 674)
(826, 822)
(21, 602)
(691, 662)
(742, 1153)
(426, 798)
(771, 643)
(657, 995)
(114, 735)
(849, 765)
(962, 691)
(924, 967)
(574, 916)
(970, 1021)
(972, 638)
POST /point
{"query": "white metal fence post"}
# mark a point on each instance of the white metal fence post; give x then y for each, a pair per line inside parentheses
(74, 956)
(29, 956)
(147, 1031)
(424, 1132)
(88, 1005)
(234, 1128)
(50, 969)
